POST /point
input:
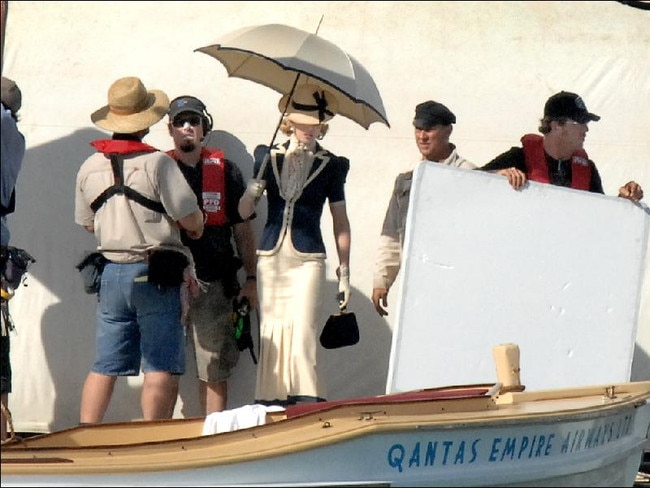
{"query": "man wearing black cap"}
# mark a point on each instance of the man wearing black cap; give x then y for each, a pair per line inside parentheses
(218, 185)
(433, 127)
(558, 156)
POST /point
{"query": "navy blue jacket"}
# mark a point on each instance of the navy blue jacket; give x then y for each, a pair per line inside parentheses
(326, 181)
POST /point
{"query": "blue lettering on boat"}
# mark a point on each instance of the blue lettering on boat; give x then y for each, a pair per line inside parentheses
(441, 453)
(462, 452)
(396, 455)
(518, 448)
(599, 435)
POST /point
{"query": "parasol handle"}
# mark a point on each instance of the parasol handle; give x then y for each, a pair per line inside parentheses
(265, 161)
(267, 156)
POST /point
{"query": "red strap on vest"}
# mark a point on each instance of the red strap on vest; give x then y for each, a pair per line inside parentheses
(213, 186)
(538, 168)
(119, 146)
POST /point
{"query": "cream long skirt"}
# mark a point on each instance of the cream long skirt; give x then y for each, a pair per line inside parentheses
(290, 292)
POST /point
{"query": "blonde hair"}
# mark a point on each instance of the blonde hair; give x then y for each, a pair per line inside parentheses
(286, 127)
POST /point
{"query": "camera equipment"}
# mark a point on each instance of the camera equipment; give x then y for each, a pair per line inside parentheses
(242, 325)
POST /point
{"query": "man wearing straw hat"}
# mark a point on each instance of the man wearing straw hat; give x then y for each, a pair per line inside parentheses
(138, 321)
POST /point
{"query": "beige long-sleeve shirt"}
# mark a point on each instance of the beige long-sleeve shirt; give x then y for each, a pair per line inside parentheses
(391, 240)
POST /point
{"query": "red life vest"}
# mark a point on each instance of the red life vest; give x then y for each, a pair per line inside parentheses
(118, 146)
(213, 187)
(538, 168)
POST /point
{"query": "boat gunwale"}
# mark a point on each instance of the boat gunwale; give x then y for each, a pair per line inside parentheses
(348, 410)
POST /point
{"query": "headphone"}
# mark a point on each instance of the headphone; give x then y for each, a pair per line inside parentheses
(206, 118)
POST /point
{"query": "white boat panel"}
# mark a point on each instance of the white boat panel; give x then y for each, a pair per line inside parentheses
(557, 271)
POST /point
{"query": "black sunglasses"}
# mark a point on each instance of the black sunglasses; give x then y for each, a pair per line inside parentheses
(193, 120)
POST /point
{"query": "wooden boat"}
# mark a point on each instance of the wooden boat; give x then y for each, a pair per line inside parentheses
(466, 435)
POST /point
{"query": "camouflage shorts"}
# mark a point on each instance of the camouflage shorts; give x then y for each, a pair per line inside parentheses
(212, 330)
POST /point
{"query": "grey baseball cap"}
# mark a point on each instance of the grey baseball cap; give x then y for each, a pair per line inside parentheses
(11, 96)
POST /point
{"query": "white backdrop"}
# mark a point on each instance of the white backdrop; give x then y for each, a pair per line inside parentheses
(493, 63)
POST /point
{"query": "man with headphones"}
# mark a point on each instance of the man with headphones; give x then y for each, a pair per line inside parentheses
(218, 184)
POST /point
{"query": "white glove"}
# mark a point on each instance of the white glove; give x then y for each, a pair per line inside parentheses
(255, 188)
(343, 273)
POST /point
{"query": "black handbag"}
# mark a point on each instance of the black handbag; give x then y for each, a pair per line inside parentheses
(341, 330)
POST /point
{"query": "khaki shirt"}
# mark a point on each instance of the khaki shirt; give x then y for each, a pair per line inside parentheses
(391, 240)
(124, 229)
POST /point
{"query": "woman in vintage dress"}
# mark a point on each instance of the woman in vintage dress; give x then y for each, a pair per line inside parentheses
(300, 177)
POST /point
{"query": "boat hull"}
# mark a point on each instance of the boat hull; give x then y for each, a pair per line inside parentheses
(516, 439)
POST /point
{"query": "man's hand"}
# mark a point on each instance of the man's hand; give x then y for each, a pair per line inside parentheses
(194, 234)
(192, 224)
(380, 300)
(631, 190)
(343, 274)
(249, 290)
(516, 178)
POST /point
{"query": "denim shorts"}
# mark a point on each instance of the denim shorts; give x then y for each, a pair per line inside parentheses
(138, 324)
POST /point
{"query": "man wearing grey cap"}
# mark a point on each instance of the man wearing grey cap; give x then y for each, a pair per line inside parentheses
(433, 124)
(13, 151)
(557, 156)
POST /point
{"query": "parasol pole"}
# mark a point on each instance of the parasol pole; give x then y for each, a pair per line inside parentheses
(267, 156)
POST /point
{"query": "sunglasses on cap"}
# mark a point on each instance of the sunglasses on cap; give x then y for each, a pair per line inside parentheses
(193, 120)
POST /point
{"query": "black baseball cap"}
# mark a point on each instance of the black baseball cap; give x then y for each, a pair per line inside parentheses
(186, 104)
(567, 105)
(430, 113)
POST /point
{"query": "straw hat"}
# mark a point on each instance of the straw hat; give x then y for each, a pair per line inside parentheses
(310, 104)
(131, 107)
